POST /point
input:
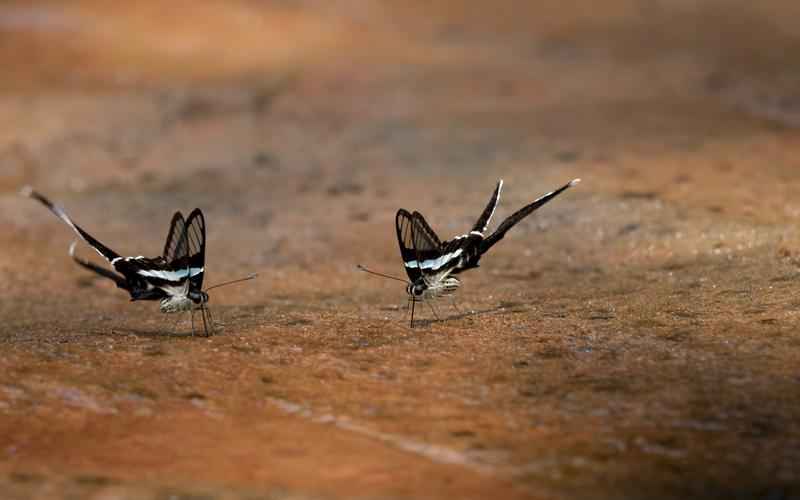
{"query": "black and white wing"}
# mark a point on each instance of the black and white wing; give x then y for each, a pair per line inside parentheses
(404, 224)
(183, 259)
(427, 246)
(420, 247)
(185, 251)
(483, 221)
(59, 212)
(106, 273)
(196, 248)
(175, 246)
(422, 251)
(520, 214)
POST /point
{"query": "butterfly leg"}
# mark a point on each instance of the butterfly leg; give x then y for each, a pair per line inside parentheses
(455, 306)
(413, 302)
(208, 324)
(192, 313)
(433, 310)
(175, 326)
(203, 316)
(210, 320)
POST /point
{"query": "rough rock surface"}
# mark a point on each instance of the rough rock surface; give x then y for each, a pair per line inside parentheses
(635, 338)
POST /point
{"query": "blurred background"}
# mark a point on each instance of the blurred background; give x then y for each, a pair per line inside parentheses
(636, 336)
(97, 93)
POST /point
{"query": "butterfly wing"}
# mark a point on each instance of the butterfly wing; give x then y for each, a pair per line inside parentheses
(116, 278)
(196, 248)
(483, 221)
(423, 252)
(404, 224)
(427, 245)
(59, 212)
(424, 235)
(176, 246)
(520, 214)
(435, 258)
(184, 256)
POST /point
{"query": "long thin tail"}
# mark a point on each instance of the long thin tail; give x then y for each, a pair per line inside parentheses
(116, 278)
(521, 214)
(103, 250)
(486, 217)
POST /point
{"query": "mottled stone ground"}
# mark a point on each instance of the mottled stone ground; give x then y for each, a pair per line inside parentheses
(636, 338)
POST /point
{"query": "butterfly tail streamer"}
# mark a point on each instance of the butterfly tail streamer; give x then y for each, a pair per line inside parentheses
(116, 278)
(520, 214)
(59, 212)
(483, 221)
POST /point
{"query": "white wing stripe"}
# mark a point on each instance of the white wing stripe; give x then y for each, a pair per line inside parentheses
(434, 263)
(497, 202)
(171, 275)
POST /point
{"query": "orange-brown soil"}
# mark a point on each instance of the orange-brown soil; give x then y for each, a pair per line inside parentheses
(635, 338)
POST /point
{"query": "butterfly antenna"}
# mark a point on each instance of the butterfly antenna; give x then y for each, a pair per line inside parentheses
(226, 283)
(380, 274)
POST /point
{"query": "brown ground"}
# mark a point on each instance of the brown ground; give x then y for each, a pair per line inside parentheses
(636, 338)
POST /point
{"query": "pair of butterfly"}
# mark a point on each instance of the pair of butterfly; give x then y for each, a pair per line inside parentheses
(175, 278)
(431, 264)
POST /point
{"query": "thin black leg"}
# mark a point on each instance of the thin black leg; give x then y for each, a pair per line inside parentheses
(211, 320)
(175, 325)
(203, 315)
(435, 314)
(455, 306)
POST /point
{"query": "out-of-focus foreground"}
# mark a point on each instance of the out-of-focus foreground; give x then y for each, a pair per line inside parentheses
(637, 337)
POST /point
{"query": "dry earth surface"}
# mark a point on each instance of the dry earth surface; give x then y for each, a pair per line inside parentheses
(635, 338)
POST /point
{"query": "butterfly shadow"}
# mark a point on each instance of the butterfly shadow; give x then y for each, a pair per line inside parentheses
(152, 333)
(178, 328)
(455, 314)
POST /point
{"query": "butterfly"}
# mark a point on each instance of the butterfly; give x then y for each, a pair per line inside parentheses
(175, 278)
(432, 264)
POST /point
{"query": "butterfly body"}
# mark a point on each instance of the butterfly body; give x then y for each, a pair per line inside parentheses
(157, 279)
(431, 264)
(175, 278)
(183, 301)
(424, 290)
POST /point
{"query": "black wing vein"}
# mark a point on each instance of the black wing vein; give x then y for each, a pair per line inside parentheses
(404, 224)
(196, 247)
(175, 247)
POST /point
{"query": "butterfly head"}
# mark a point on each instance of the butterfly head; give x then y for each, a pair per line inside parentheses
(198, 296)
(417, 289)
